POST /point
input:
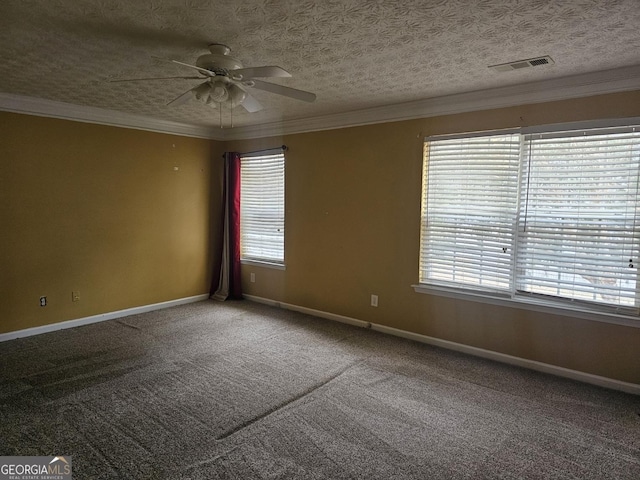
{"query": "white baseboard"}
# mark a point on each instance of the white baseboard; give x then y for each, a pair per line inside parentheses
(606, 382)
(309, 311)
(28, 332)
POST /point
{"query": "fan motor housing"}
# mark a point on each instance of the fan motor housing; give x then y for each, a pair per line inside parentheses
(218, 59)
(212, 62)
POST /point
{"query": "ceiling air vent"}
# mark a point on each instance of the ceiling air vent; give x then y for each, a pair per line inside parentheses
(520, 64)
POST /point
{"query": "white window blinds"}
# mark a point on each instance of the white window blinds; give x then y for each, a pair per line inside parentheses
(470, 190)
(262, 208)
(578, 236)
(551, 215)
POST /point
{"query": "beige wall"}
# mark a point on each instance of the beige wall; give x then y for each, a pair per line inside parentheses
(101, 210)
(352, 229)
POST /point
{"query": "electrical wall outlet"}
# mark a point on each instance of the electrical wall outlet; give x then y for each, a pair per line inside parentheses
(43, 301)
(75, 296)
(253, 277)
(374, 300)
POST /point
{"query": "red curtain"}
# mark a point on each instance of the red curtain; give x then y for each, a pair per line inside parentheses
(235, 284)
(229, 284)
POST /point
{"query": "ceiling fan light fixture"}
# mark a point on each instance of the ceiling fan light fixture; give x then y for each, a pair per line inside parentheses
(226, 81)
(201, 92)
(236, 95)
(219, 93)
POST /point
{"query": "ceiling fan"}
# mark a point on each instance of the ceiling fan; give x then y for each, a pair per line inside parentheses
(226, 81)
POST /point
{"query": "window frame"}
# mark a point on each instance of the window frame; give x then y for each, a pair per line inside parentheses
(513, 298)
(269, 262)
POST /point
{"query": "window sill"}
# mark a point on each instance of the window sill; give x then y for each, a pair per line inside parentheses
(258, 263)
(528, 304)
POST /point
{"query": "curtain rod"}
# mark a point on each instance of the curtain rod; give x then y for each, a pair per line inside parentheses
(267, 150)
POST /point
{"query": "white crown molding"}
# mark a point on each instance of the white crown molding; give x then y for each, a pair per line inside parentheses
(576, 86)
(80, 113)
(585, 85)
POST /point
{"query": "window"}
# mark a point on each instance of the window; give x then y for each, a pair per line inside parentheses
(469, 208)
(262, 208)
(551, 216)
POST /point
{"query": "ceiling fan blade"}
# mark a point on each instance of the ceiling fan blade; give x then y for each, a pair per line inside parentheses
(282, 90)
(208, 73)
(201, 70)
(182, 98)
(253, 72)
(152, 78)
(250, 104)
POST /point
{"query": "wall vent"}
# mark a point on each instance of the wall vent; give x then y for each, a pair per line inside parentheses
(520, 64)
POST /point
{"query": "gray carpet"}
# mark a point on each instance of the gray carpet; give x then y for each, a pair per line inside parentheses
(240, 390)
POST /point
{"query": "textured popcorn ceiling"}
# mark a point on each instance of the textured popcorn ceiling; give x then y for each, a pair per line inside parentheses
(353, 54)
